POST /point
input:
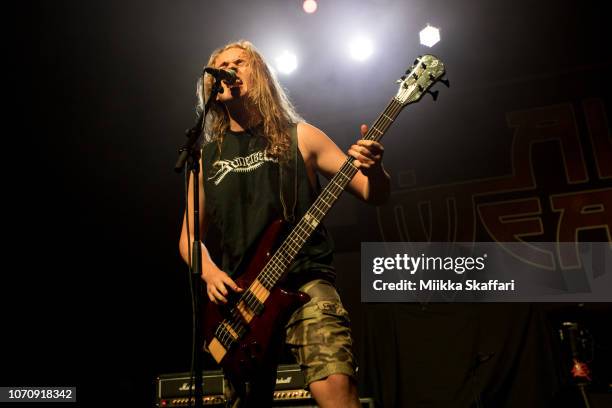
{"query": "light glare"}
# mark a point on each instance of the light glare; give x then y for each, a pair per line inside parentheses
(361, 48)
(309, 6)
(429, 36)
(286, 63)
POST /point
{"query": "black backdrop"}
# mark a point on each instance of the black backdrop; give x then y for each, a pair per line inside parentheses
(94, 293)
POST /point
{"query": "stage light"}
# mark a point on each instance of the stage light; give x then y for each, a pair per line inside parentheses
(361, 48)
(429, 36)
(309, 6)
(286, 63)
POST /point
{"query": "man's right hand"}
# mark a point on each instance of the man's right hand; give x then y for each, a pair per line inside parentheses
(216, 283)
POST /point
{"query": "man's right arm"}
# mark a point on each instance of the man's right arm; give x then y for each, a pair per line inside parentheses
(216, 280)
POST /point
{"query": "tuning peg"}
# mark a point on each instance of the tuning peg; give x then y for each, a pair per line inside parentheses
(402, 78)
(434, 94)
(445, 82)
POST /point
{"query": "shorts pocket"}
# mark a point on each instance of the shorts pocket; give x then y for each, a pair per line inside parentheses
(334, 308)
(317, 322)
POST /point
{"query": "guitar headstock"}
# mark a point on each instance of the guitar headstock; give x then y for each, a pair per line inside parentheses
(424, 73)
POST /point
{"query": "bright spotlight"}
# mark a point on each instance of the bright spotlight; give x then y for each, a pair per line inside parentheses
(309, 6)
(429, 36)
(286, 62)
(361, 48)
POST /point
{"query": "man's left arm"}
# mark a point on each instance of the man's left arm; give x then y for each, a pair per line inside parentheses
(371, 183)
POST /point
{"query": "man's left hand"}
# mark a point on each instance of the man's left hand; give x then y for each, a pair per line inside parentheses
(368, 154)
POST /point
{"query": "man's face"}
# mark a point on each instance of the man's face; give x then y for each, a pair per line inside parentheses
(238, 60)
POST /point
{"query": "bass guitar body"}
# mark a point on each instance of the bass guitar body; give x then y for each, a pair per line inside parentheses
(246, 336)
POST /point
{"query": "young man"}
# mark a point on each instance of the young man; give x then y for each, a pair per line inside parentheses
(248, 133)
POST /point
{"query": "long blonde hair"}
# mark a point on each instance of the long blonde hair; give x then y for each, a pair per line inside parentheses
(267, 95)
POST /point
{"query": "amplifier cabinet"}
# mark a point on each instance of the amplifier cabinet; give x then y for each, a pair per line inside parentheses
(172, 390)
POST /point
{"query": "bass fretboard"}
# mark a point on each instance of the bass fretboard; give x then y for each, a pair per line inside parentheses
(285, 254)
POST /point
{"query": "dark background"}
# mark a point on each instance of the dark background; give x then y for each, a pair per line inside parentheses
(94, 293)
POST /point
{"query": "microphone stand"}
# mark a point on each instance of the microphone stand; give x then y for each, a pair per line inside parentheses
(190, 153)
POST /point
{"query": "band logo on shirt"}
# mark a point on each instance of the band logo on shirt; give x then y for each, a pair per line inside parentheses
(222, 168)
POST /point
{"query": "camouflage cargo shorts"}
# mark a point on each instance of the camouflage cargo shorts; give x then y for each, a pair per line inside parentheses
(319, 334)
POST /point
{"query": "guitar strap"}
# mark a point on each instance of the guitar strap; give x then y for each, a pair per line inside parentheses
(288, 178)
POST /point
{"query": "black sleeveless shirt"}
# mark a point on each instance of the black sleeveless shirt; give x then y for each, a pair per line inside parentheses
(242, 197)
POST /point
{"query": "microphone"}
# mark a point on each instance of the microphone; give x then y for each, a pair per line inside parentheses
(227, 75)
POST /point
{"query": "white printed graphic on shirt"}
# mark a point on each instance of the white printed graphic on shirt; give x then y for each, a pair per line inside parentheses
(222, 168)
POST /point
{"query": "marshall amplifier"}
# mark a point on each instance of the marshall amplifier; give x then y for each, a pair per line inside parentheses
(172, 390)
